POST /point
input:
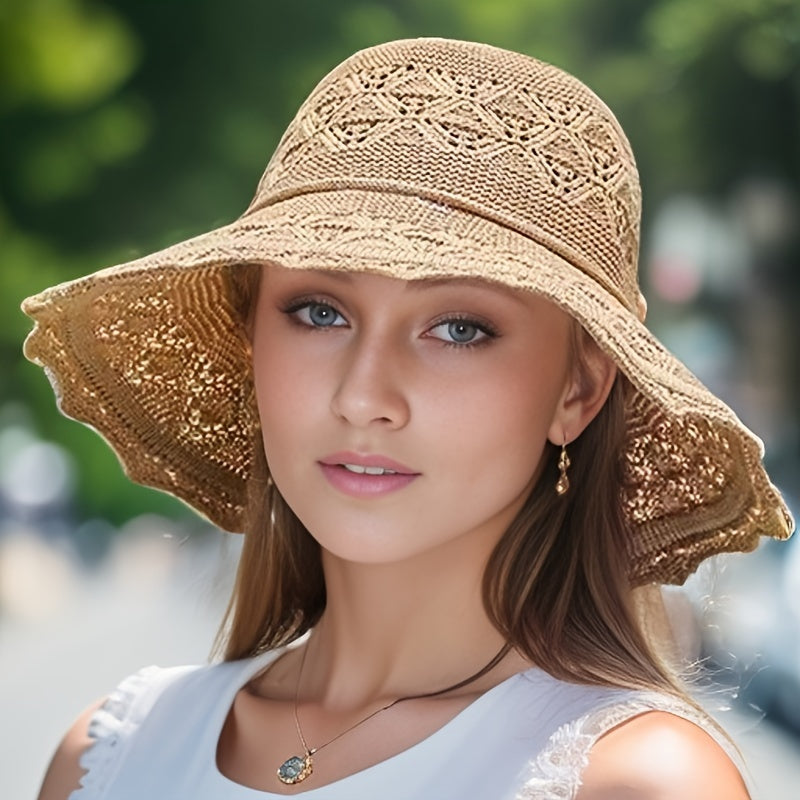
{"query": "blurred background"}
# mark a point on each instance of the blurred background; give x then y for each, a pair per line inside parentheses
(132, 124)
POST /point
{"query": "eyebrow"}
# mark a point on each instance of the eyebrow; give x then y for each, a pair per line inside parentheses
(422, 283)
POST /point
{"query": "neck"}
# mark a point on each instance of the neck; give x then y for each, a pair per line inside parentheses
(400, 629)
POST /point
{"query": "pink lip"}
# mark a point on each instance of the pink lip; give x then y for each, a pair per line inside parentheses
(357, 484)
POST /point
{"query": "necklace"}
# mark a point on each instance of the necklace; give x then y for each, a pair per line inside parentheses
(297, 768)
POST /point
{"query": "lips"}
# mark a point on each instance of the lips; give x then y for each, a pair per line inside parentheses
(366, 463)
(363, 476)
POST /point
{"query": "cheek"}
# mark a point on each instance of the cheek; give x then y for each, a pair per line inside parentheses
(492, 435)
(283, 391)
(514, 402)
(508, 434)
(269, 378)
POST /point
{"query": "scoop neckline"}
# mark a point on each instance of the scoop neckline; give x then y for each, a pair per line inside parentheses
(330, 790)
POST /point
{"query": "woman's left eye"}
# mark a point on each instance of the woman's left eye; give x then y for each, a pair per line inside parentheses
(461, 332)
(318, 315)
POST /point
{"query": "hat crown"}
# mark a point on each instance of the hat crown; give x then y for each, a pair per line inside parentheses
(500, 134)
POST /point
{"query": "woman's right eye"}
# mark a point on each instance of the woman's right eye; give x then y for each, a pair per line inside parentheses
(317, 315)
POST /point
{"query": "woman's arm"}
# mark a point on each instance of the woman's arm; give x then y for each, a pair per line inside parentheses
(64, 773)
(659, 756)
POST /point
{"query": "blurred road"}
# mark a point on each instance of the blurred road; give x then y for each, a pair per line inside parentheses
(67, 636)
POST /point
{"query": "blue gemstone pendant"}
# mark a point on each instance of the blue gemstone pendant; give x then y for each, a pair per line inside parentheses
(296, 769)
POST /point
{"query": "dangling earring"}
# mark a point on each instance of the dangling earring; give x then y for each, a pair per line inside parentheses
(562, 484)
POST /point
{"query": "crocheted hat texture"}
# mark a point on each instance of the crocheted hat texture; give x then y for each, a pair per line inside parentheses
(413, 159)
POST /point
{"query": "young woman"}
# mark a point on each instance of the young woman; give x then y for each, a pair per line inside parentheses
(414, 373)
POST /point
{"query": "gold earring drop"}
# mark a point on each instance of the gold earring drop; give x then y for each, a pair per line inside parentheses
(562, 484)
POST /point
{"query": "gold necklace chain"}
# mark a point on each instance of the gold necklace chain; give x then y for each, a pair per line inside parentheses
(297, 768)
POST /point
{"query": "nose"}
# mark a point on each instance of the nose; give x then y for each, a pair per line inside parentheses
(371, 389)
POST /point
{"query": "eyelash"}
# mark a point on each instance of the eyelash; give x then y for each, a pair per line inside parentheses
(489, 331)
(292, 308)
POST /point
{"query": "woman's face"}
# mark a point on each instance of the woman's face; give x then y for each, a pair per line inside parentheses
(398, 416)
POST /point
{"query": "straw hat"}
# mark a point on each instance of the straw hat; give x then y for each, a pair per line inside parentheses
(413, 159)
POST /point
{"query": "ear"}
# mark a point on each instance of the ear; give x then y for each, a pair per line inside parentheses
(586, 391)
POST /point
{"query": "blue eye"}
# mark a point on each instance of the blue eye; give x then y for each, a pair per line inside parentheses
(461, 332)
(318, 315)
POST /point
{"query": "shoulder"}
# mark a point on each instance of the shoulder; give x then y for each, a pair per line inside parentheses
(91, 742)
(64, 774)
(660, 756)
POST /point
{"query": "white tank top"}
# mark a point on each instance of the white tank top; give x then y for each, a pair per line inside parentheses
(528, 737)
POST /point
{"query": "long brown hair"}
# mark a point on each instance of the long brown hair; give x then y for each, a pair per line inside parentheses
(556, 585)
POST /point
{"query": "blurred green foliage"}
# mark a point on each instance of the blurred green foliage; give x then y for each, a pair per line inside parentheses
(130, 124)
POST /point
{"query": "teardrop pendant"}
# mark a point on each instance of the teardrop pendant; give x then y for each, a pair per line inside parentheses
(295, 769)
(562, 484)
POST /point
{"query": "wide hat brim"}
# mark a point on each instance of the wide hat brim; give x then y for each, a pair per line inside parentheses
(151, 354)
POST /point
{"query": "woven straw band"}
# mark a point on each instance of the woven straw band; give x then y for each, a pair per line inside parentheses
(414, 159)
